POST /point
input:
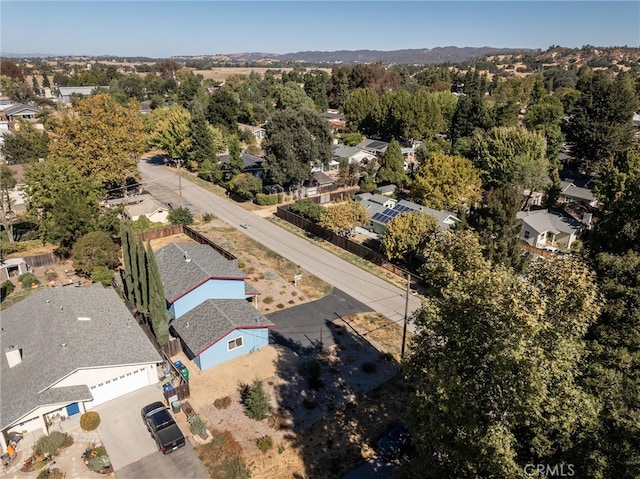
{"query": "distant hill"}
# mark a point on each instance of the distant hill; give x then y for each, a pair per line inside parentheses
(422, 56)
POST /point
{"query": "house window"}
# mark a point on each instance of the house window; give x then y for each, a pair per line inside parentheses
(526, 234)
(234, 343)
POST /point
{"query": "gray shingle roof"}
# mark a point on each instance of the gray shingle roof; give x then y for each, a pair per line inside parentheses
(210, 321)
(179, 276)
(145, 207)
(545, 220)
(573, 191)
(38, 328)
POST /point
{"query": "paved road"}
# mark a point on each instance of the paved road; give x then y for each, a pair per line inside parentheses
(376, 293)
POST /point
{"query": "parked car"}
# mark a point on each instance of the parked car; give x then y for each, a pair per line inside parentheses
(273, 189)
(162, 427)
(395, 443)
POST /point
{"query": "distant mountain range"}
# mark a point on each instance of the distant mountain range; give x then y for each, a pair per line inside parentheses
(408, 56)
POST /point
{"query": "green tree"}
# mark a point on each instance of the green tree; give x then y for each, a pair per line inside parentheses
(236, 164)
(315, 86)
(245, 185)
(202, 146)
(292, 95)
(127, 239)
(308, 208)
(496, 386)
(25, 145)
(498, 229)
(157, 301)
(169, 129)
(101, 139)
(93, 250)
(7, 183)
(512, 156)
(223, 109)
(361, 111)
(408, 234)
(392, 166)
(257, 401)
(180, 216)
(446, 182)
(295, 141)
(143, 280)
(344, 216)
(600, 124)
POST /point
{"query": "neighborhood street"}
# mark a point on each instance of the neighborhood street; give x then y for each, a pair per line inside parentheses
(376, 293)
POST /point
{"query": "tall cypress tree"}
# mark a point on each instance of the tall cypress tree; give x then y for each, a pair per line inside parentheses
(144, 284)
(126, 236)
(157, 300)
(135, 272)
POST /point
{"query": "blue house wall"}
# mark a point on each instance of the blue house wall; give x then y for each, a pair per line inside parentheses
(219, 353)
(211, 289)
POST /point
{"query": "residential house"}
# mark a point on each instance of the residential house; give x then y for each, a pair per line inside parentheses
(250, 164)
(335, 119)
(570, 193)
(258, 132)
(355, 156)
(386, 190)
(65, 92)
(19, 111)
(379, 219)
(66, 350)
(375, 203)
(542, 228)
(373, 147)
(208, 301)
(149, 207)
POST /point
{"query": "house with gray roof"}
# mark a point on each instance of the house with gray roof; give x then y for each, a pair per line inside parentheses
(65, 351)
(209, 304)
(570, 193)
(379, 219)
(542, 228)
(20, 111)
(251, 164)
(149, 207)
(65, 92)
(355, 156)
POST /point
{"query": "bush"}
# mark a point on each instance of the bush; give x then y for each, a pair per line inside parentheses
(196, 424)
(257, 401)
(280, 306)
(241, 265)
(270, 276)
(93, 250)
(313, 372)
(265, 443)
(266, 200)
(7, 288)
(51, 443)
(89, 421)
(180, 216)
(50, 275)
(99, 462)
(103, 275)
(207, 217)
(28, 280)
(222, 403)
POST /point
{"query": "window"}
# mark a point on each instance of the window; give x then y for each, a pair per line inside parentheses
(234, 343)
(526, 234)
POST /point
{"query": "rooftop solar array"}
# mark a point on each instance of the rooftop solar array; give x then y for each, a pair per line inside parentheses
(389, 213)
(376, 145)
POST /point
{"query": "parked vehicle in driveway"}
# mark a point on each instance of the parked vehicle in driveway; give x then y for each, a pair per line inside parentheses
(395, 443)
(162, 427)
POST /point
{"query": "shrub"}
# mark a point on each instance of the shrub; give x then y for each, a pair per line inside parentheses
(222, 403)
(369, 367)
(270, 276)
(280, 306)
(264, 200)
(28, 281)
(89, 421)
(265, 443)
(257, 401)
(268, 300)
(196, 424)
(207, 217)
(50, 275)
(241, 265)
(7, 288)
(51, 443)
(93, 250)
(102, 275)
(275, 422)
(180, 216)
(99, 462)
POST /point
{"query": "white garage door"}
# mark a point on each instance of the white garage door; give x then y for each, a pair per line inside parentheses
(119, 386)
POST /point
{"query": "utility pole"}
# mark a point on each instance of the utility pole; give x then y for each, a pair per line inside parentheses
(406, 315)
(180, 181)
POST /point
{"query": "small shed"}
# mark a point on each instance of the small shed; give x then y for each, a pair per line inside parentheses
(12, 267)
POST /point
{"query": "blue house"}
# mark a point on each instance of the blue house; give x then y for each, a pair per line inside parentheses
(209, 304)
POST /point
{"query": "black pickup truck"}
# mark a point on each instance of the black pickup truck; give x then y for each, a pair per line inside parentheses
(162, 427)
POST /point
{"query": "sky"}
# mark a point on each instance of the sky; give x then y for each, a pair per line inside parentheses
(161, 29)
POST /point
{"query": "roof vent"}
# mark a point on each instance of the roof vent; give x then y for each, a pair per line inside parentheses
(63, 345)
(13, 354)
(186, 257)
(47, 301)
(84, 318)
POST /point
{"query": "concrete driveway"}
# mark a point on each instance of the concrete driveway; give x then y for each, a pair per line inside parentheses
(303, 327)
(123, 433)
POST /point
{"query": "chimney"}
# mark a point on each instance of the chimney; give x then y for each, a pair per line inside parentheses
(14, 355)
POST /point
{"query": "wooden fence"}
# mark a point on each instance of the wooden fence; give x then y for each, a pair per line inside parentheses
(346, 244)
(532, 249)
(44, 259)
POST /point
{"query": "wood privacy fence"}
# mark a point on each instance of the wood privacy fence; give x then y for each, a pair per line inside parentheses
(44, 259)
(346, 244)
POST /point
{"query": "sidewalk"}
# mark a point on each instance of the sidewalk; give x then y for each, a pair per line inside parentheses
(69, 461)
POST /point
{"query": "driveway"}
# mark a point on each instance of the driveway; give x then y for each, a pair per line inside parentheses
(365, 287)
(304, 327)
(132, 451)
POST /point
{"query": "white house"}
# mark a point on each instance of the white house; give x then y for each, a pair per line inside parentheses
(542, 228)
(65, 92)
(66, 350)
(149, 207)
